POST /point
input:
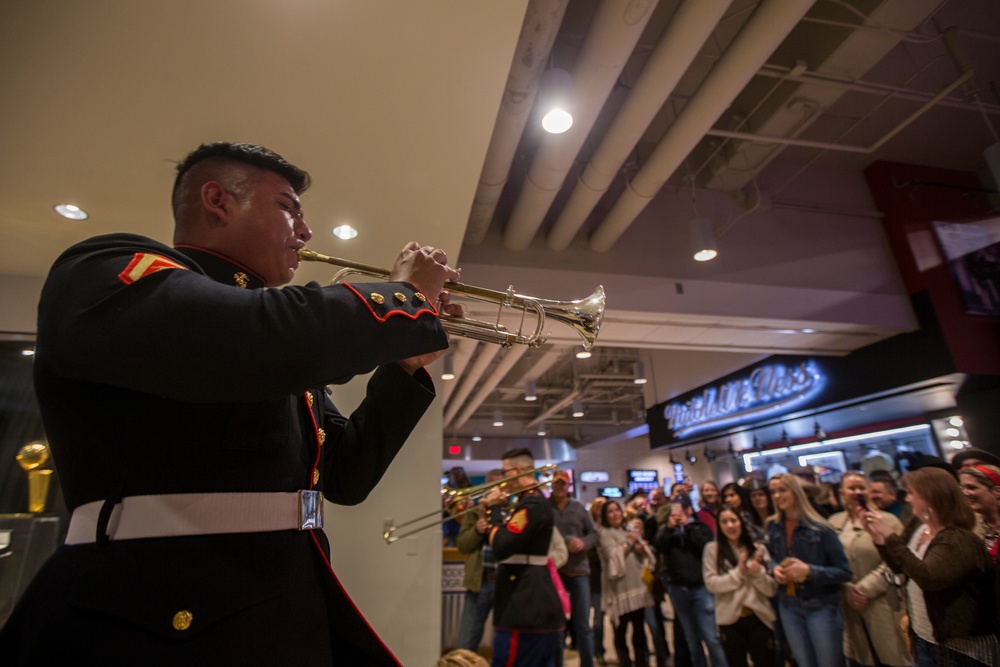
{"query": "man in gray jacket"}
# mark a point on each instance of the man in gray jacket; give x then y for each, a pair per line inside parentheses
(576, 526)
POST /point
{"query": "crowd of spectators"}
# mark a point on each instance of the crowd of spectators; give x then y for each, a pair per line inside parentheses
(867, 570)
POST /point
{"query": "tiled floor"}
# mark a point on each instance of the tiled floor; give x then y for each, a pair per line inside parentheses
(572, 658)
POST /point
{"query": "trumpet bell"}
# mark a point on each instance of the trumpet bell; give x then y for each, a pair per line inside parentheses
(583, 315)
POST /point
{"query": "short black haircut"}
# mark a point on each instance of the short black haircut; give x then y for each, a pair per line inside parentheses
(883, 476)
(518, 453)
(256, 156)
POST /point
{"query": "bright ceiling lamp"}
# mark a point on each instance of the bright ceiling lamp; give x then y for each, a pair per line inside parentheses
(71, 211)
(449, 368)
(555, 93)
(345, 232)
(703, 240)
(530, 391)
(640, 373)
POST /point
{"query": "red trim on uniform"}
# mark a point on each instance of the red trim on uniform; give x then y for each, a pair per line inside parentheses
(430, 307)
(319, 446)
(144, 264)
(228, 259)
(336, 581)
(512, 651)
(319, 547)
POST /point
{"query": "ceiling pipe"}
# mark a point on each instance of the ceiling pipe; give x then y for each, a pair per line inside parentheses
(479, 366)
(760, 36)
(556, 407)
(512, 356)
(847, 148)
(814, 78)
(609, 44)
(866, 44)
(542, 363)
(676, 49)
(541, 25)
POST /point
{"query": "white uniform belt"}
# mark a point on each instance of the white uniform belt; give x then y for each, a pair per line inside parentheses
(174, 515)
(525, 559)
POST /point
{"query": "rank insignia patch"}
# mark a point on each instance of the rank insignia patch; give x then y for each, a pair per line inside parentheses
(518, 522)
(145, 263)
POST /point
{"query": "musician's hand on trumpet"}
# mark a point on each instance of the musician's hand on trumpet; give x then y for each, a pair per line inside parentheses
(426, 268)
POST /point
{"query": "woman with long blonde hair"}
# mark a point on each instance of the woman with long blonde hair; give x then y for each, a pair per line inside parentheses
(810, 568)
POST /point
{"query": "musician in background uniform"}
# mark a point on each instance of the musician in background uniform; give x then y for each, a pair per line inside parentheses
(527, 614)
(186, 412)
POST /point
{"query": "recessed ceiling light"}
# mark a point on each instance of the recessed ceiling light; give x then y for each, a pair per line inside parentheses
(345, 232)
(29, 352)
(705, 255)
(71, 211)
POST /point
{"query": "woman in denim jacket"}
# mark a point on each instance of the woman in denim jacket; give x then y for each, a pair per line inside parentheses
(810, 566)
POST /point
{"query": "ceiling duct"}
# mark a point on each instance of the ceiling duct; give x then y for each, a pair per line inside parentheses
(760, 36)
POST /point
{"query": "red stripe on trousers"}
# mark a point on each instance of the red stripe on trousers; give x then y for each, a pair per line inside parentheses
(512, 651)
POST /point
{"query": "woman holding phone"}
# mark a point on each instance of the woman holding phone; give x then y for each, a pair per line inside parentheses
(811, 566)
(949, 592)
(871, 604)
(625, 594)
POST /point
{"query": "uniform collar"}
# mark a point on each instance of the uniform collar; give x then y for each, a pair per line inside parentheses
(222, 269)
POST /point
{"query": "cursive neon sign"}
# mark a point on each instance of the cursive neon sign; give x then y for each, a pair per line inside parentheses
(766, 390)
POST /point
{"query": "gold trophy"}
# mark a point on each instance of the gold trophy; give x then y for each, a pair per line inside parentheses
(31, 458)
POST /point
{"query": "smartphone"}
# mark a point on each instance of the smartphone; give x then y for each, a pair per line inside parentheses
(863, 501)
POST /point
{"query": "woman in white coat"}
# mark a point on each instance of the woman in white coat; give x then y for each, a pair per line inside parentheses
(735, 570)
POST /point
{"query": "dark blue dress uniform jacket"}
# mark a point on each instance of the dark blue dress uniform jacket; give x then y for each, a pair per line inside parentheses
(526, 599)
(163, 370)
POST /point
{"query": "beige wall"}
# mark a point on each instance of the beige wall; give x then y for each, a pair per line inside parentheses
(397, 586)
(19, 304)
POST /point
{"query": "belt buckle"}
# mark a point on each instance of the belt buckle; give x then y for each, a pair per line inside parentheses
(310, 510)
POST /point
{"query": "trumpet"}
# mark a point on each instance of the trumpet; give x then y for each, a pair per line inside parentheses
(583, 315)
(453, 497)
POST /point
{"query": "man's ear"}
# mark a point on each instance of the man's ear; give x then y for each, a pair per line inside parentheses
(217, 203)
